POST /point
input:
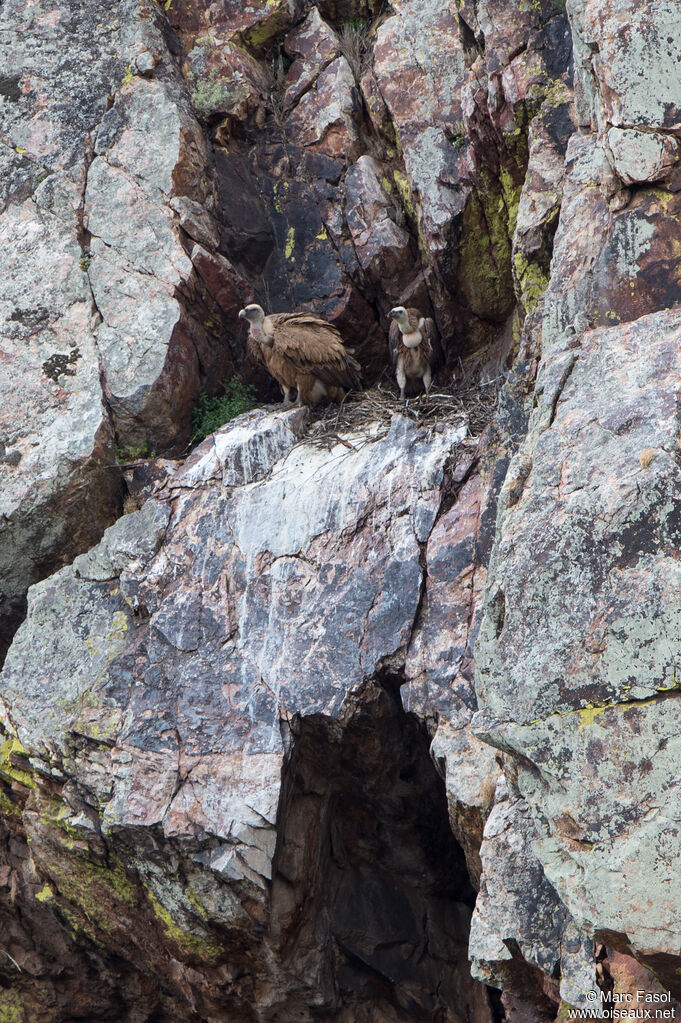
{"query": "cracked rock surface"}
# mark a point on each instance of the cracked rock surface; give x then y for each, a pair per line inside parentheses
(251, 623)
(376, 728)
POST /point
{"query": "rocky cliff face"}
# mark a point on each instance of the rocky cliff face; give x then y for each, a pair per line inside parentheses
(373, 718)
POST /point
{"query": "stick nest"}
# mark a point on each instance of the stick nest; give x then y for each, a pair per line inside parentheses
(472, 405)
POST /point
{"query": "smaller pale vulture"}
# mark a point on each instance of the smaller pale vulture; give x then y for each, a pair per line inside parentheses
(305, 355)
(414, 347)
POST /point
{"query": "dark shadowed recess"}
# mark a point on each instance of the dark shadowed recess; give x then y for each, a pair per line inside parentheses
(13, 615)
(371, 899)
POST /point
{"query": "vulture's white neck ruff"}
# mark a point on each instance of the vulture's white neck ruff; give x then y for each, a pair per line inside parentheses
(412, 340)
(258, 332)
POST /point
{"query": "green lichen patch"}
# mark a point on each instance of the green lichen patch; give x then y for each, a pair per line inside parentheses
(189, 943)
(290, 245)
(8, 808)
(276, 19)
(46, 894)
(11, 1010)
(531, 280)
(14, 765)
(217, 94)
(92, 894)
(485, 267)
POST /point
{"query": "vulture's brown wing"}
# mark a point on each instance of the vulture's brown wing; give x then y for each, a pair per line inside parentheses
(436, 357)
(394, 337)
(316, 347)
(254, 350)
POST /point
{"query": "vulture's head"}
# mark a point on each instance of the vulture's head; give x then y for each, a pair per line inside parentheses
(253, 313)
(399, 313)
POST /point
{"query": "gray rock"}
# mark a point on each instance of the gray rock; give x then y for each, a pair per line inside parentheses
(188, 676)
(582, 591)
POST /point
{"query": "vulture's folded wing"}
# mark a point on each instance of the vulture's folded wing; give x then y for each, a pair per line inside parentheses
(254, 350)
(394, 337)
(315, 347)
(432, 333)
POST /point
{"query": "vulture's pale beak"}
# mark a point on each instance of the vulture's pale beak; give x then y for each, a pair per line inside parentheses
(242, 314)
(393, 312)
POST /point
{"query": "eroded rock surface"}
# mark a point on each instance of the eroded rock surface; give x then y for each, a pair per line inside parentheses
(241, 776)
(597, 518)
(108, 331)
(253, 621)
(574, 660)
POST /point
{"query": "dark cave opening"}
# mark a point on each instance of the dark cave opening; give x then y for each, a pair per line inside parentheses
(371, 898)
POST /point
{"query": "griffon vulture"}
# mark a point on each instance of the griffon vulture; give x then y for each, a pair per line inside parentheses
(414, 347)
(304, 354)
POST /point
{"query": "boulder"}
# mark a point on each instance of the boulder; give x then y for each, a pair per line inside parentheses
(311, 46)
(626, 56)
(326, 116)
(639, 156)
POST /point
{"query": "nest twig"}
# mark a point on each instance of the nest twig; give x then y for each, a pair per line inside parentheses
(374, 408)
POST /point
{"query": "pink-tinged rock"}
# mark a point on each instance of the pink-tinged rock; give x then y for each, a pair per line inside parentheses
(520, 928)
(576, 656)
(209, 654)
(639, 156)
(378, 112)
(228, 287)
(312, 45)
(326, 118)
(383, 247)
(255, 21)
(419, 66)
(225, 79)
(608, 265)
(505, 28)
(637, 986)
(313, 40)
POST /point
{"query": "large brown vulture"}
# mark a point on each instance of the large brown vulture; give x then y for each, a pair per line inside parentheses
(304, 354)
(414, 347)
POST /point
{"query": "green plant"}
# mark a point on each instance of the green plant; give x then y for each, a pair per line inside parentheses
(458, 137)
(353, 40)
(211, 413)
(134, 454)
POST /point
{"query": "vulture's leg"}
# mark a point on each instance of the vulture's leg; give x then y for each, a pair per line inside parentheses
(401, 378)
(427, 380)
